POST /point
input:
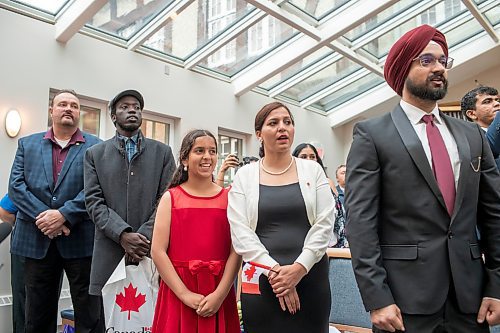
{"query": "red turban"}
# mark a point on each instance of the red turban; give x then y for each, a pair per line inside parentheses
(407, 48)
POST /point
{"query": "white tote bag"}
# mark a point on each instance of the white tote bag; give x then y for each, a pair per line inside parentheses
(129, 297)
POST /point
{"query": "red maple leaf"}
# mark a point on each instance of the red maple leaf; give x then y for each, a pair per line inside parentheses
(249, 272)
(129, 301)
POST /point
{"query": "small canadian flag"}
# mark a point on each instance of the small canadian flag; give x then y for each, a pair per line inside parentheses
(250, 275)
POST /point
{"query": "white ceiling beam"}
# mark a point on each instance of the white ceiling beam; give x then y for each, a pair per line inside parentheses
(316, 67)
(481, 18)
(175, 8)
(369, 66)
(381, 97)
(357, 58)
(75, 17)
(344, 82)
(284, 16)
(292, 9)
(226, 36)
(340, 9)
(304, 46)
(304, 74)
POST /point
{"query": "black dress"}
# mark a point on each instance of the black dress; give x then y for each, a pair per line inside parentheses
(282, 227)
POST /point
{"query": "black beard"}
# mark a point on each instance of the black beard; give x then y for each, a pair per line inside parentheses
(424, 92)
(130, 127)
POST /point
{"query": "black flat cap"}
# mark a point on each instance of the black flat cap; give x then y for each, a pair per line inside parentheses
(131, 92)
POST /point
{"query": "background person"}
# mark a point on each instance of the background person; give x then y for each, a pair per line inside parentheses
(308, 152)
(480, 105)
(281, 213)
(8, 213)
(340, 176)
(231, 161)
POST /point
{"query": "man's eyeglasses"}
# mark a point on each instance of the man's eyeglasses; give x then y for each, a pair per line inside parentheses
(427, 60)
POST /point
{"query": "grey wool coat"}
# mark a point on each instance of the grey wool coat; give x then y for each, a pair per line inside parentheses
(122, 196)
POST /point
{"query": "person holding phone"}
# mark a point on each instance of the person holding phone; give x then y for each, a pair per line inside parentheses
(231, 161)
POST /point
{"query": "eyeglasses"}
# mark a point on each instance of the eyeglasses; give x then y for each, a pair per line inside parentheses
(427, 60)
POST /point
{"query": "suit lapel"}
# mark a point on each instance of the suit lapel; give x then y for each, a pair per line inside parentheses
(47, 162)
(74, 150)
(463, 152)
(414, 148)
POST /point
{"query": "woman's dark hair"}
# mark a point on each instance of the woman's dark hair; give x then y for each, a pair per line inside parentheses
(299, 148)
(261, 116)
(180, 176)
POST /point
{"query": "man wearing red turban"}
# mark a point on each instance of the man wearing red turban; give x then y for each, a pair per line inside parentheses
(419, 185)
(399, 59)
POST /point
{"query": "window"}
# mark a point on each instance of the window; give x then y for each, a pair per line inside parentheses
(429, 16)
(229, 143)
(263, 35)
(255, 36)
(157, 128)
(452, 8)
(220, 17)
(89, 119)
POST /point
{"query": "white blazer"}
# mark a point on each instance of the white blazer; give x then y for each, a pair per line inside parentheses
(242, 213)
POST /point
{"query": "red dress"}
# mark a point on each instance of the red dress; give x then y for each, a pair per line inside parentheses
(199, 246)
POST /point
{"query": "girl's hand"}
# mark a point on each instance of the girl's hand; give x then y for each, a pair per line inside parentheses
(210, 305)
(290, 301)
(287, 278)
(191, 299)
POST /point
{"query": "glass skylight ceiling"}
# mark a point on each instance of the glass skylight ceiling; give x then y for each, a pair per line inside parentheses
(124, 18)
(318, 8)
(319, 54)
(182, 35)
(51, 7)
(259, 39)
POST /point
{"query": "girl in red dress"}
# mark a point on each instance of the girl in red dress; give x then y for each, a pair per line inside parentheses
(191, 247)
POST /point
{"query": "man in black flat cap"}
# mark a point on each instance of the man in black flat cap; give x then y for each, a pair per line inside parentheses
(124, 178)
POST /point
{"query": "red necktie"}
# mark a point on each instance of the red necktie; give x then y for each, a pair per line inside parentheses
(441, 164)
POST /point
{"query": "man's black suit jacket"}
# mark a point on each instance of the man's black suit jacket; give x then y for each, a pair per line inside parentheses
(405, 247)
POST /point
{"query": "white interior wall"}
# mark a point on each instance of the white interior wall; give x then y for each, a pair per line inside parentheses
(32, 62)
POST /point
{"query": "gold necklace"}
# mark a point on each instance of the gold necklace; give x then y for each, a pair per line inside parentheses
(276, 173)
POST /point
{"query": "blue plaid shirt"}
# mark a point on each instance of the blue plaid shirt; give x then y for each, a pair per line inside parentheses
(130, 144)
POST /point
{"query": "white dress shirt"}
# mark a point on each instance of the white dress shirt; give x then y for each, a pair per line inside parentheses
(415, 115)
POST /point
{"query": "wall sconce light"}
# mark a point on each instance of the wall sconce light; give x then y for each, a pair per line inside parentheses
(13, 123)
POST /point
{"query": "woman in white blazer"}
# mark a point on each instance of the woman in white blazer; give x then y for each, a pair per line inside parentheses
(281, 214)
